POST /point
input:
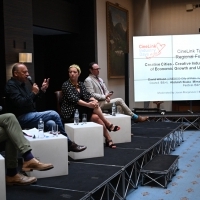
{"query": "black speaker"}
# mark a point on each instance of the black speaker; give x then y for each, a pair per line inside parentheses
(126, 64)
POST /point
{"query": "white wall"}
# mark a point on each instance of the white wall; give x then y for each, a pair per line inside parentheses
(146, 17)
(169, 17)
(117, 85)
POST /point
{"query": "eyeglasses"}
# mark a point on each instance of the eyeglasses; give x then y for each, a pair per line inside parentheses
(96, 69)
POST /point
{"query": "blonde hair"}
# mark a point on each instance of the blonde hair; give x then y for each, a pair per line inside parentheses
(75, 66)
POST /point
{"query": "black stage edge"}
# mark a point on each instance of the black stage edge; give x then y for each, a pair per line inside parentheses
(160, 170)
(189, 119)
(108, 177)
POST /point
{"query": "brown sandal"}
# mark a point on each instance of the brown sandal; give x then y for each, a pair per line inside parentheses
(112, 145)
(116, 128)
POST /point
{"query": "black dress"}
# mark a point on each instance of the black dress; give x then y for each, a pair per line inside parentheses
(70, 100)
(83, 109)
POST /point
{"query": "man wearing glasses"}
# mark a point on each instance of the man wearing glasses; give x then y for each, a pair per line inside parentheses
(97, 88)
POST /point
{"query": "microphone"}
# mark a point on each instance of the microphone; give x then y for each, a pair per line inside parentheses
(190, 111)
(30, 80)
(1, 108)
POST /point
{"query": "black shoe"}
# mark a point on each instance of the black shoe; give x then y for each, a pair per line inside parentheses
(76, 148)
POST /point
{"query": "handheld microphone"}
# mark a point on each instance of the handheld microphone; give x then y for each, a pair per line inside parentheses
(30, 80)
(190, 111)
(1, 108)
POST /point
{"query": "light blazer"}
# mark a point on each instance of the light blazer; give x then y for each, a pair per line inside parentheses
(94, 88)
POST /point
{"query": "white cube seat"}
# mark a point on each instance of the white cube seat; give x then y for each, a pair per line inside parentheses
(90, 135)
(124, 122)
(2, 178)
(51, 149)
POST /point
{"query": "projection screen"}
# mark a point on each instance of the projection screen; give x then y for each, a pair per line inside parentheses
(166, 68)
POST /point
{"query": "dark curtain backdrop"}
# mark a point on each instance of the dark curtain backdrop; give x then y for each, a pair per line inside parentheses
(54, 54)
(2, 55)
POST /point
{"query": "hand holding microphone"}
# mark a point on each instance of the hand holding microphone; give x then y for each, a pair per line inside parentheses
(35, 88)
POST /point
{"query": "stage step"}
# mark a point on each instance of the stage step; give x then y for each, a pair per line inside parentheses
(160, 170)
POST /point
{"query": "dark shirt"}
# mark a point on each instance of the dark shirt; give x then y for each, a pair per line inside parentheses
(19, 99)
(71, 97)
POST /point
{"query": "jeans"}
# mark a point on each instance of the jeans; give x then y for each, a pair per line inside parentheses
(50, 118)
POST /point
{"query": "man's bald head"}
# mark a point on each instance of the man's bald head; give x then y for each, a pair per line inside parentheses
(20, 72)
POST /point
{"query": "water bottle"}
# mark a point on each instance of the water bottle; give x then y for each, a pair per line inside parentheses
(76, 117)
(40, 128)
(113, 109)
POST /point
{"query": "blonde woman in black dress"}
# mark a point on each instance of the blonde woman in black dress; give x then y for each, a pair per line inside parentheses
(75, 96)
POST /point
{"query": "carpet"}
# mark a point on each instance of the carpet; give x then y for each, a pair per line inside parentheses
(185, 185)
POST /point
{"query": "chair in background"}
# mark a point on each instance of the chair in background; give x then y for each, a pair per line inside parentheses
(58, 96)
(4, 106)
(2, 145)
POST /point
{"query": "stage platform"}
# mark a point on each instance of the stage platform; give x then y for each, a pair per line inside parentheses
(188, 119)
(108, 177)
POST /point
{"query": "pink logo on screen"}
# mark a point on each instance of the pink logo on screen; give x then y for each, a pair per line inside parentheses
(151, 51)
